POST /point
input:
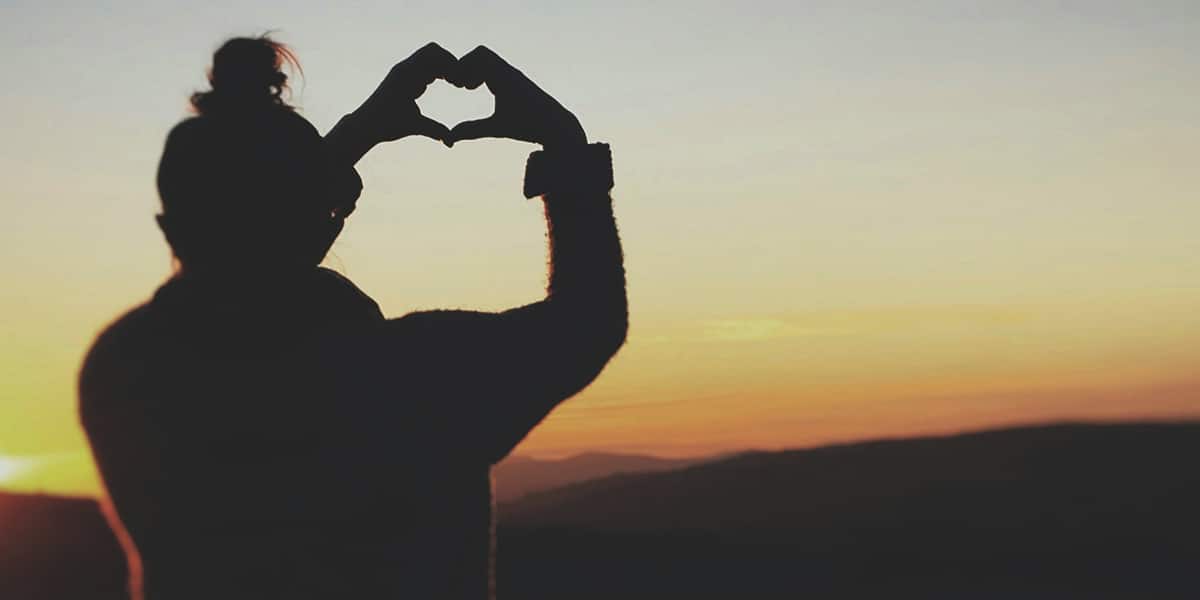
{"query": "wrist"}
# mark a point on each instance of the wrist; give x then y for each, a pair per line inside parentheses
(351, 138)
(570, 137)
(573, 168)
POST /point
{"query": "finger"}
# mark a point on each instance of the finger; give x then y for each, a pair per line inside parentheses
(473, 130)
(434, 61)
(410, 76)
(430, 128)
(476, 67)
(345, 210)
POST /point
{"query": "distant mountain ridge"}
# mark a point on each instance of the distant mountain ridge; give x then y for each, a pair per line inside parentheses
(520, 475)
(58, 547)
(1059, 511)
(766, 488)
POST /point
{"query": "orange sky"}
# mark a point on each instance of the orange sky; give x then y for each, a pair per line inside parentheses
(839, 222)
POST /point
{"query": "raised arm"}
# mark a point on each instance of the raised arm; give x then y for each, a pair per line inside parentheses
(502, 373)
(389, 113)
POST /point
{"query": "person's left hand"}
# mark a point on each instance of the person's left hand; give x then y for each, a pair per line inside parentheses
(391, 112)
(523, 110)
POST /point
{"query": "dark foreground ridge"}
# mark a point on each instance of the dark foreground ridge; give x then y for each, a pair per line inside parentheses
(1062, 511)
(1057, 511)
(53, 547)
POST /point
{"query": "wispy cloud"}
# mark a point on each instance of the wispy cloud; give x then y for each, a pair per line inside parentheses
(844, 322)
(753, 330)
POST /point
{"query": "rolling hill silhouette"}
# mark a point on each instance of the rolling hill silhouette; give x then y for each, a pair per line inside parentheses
(53, 547)
(1063, 511)
(520, 475)
(1053, 511)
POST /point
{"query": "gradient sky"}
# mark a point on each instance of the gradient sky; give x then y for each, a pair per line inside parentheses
(841, 220)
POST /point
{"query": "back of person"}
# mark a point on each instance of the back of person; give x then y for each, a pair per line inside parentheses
(262, 430)
(247, 453)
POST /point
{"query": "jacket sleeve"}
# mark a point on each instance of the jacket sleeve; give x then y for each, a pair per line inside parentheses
(494, 376)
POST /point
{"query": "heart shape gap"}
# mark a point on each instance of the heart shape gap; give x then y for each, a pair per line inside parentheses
(450, 105)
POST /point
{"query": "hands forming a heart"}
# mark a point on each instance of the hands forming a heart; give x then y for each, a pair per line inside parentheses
(523, 111)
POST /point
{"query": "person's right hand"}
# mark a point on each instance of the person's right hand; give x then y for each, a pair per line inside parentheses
(523, 111)
(392, 112)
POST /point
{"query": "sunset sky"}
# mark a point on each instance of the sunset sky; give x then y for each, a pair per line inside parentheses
(841, 220)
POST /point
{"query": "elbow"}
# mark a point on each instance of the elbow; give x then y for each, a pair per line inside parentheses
(620, 332)
(597, 339)
(594, 331)
(620, 329)
(612, 334)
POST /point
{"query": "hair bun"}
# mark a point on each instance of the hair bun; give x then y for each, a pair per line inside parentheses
(246, 74)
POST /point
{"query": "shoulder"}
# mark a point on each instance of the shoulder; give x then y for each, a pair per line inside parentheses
(429, 335)
(125, 331)
(345, 294)
(105, 367)
(440, 323)
(428, 318)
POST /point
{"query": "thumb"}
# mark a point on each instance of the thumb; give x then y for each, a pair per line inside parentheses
(473, 130)
(430, 128)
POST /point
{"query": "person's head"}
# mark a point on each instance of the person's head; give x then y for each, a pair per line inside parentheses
(247, 183)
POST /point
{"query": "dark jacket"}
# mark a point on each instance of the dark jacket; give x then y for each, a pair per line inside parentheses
(279, 438)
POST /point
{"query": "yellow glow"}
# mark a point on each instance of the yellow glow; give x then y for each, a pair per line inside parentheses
(11, 468)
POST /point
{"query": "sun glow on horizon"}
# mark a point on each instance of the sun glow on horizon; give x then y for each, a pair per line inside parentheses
(12, 468)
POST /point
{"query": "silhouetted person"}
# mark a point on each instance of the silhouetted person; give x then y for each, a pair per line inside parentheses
(262, 429)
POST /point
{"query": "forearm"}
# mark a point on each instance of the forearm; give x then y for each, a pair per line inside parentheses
(587, 275)
(510, 369)
(348, 141)
(345, 144)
